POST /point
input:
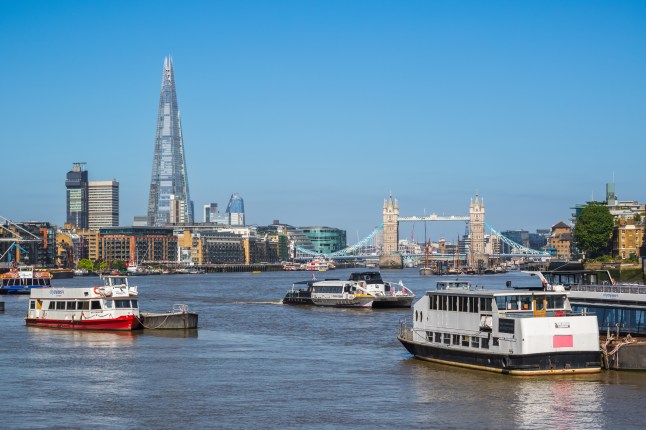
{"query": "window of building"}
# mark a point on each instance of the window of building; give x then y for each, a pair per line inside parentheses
(475, 342)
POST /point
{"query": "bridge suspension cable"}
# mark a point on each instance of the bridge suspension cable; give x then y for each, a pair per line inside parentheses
(523, 249)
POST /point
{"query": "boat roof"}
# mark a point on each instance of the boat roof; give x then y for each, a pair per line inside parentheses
(496, 293)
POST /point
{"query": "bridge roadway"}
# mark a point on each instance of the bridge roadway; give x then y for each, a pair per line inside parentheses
(433, 217)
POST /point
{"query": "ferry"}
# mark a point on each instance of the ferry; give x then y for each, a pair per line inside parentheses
(387, 294)
(516, 333)
(340, 294)
(22, 279)
(113, 306)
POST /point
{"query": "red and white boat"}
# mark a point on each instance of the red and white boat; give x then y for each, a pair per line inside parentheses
(113, 306)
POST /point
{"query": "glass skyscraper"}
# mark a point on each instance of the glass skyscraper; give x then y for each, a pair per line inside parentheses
(77, 196)
(235, 210)
(169, 179)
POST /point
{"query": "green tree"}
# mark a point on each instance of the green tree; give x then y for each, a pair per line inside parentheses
(86, 264)
(593, 230)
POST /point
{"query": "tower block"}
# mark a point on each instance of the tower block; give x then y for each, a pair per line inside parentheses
(477, 257)
(390, 258)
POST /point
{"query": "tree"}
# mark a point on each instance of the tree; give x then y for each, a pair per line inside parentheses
(86, 264)
(593, 229)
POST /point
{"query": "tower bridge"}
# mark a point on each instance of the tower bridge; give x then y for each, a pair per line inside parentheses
(383, 242)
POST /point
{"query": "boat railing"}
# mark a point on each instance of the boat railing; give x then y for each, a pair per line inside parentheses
(405, 332)
(180, 307)
(548, 313)
(631, 289)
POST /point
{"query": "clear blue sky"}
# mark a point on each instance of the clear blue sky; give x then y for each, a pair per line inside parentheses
(313, 111)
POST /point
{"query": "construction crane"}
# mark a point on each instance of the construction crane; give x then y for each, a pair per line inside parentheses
(15, 237)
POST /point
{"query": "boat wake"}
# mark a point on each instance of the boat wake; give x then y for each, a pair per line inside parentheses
(274, 302)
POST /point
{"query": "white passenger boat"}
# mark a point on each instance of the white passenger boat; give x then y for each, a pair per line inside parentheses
(518, 333)
(113, 306)
(386, 294)
(340, 294)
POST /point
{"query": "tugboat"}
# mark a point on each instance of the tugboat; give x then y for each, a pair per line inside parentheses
(515, 333)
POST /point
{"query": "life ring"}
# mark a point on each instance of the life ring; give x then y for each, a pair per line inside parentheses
(97, 290)
(559, 314)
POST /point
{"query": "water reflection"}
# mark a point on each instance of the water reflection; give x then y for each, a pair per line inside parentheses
(489, 400)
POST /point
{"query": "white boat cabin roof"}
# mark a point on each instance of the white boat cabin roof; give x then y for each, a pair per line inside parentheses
(493, 293)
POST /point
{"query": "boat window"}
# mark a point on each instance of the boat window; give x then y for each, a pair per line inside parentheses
(465, 340)
(60, 305)
(32, 304)
(456, 339)
(485, 304)
(122, 304)
(473, 304)
(83, 305)
(108, 304)
(475, 342)
(438, 337)
(453, 303)
(442, 302)
(96, 304)
(526, 303)
(540, 303)
(52, 306)
(447, 338)
(429, 336)
(415, 315)
(463, 304)
(71, 306)
(509, 303)
(135, 305)
(555, 302)
(484, 343)
(495, 341)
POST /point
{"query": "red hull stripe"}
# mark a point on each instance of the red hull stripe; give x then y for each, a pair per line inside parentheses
(129, 322)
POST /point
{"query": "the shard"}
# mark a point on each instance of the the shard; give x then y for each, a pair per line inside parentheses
(169, 201)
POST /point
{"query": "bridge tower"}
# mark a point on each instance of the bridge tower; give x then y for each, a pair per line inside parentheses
(390, 259)
(477, 256)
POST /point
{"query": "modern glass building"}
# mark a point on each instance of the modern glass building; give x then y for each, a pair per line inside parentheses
(325, 240)
(77, 196)
(235, 210)
(169, 179)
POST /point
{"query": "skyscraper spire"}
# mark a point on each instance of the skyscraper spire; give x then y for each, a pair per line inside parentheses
(169, 199)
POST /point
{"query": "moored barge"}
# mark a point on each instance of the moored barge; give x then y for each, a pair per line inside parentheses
(516, 333)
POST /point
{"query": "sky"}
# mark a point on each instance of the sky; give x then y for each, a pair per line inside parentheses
(315, 111)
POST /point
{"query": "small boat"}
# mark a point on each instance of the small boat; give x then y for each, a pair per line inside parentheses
(386, 294)
(61, 273)
(517, 333)
(178, 318)
(113, 306)
(317, 265)
(21, 280)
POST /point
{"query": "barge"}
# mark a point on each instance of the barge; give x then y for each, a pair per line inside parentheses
(515, 333)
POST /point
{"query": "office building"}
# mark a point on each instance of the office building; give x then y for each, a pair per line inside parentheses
(169, 176)
(103, 204)
(77, 195)
(235, 210)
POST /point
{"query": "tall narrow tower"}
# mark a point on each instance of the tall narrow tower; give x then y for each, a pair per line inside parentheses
(389, 257)
(477, 256)
(77, 195)
(169, 179)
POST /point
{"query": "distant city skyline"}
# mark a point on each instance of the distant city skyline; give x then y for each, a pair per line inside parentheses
(315, 111)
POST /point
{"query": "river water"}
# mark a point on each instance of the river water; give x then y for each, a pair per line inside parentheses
(255, 363)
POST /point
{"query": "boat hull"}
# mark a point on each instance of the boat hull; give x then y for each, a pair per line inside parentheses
(383, 302)
(298, 299)
(356, 302)
(124, 323)
(531, 364)
(169, 320)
